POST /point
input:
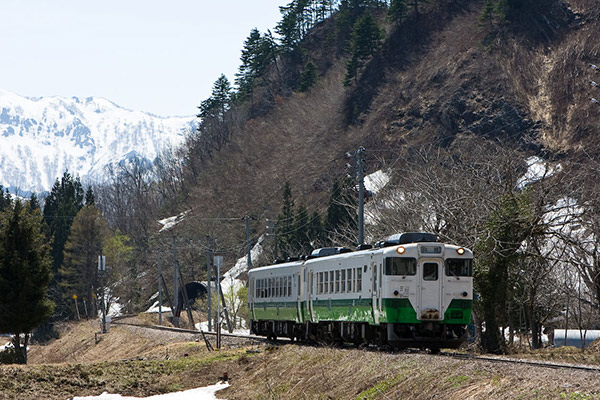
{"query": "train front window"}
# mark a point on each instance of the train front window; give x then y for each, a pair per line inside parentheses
(430, 271)
(400, 266)
(459, 267)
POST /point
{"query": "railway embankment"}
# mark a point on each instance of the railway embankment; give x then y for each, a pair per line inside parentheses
(141, 362)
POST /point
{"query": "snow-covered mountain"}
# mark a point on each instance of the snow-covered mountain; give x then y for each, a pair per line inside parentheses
(41, 138)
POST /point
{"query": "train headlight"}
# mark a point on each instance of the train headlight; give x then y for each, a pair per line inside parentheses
(400, 250)
(460, 251)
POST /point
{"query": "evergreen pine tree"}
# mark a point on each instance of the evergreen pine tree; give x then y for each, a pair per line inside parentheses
(308, 77)
(364, 42)
(5, 199)
(214, 124)
(258, 53)
(79, 272)
(62, 205)
(397, 10)
(288, 28)
(90, 199)
(34, 204)
(24, 274)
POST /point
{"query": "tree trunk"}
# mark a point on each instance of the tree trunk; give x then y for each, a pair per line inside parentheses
(21, 349)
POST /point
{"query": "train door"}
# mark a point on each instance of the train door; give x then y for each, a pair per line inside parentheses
(311, 277)
(430, 282)
(376, 291)
(299, 296)
(251, 293)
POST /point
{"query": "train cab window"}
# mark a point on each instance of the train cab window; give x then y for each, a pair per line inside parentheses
(430, 271)
(400, 266)
(459, 267)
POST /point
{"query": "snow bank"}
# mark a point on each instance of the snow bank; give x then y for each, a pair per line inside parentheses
(537, 169)
(204, 393)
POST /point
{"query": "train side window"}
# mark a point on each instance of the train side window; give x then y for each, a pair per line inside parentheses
(349, 280)
(359, 279)
(337, 281)
(343, 282)
(430, 271)
(331, 282)
(459, 267)
(320, 283)
(286, 293)
(400, 266)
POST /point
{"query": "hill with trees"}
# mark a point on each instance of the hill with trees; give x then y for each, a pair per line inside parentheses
(482, 113)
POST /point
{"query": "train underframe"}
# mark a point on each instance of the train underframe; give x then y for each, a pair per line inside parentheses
(427, 335)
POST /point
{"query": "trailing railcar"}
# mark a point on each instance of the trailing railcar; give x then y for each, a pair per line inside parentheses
(410, 291)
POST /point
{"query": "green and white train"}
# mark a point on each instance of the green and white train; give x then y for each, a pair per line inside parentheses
(409, 291)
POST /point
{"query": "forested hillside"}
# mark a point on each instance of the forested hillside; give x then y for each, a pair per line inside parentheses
(482, 113)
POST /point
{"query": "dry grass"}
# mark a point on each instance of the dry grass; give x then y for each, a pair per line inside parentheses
(141, 362)
(295, 372)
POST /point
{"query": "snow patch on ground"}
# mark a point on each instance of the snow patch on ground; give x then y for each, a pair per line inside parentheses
(376, 181)
(170, 222)
(204, 393)
(537, 169)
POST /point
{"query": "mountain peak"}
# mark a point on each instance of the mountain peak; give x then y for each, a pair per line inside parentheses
(42, 137)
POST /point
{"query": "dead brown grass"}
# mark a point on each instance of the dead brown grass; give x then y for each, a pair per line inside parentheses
(295, 372)
(139, 362)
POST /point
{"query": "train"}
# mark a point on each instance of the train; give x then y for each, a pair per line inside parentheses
(408, 291)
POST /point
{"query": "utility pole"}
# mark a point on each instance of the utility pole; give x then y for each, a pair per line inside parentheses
(248, 243)
(102, 273)
(208, 281)
(175, 285)
(360, 165)
(218, 260)
(159, 290)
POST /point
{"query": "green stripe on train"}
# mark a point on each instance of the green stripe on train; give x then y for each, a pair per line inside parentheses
(277, 311)
(458, 312)
(358, 310)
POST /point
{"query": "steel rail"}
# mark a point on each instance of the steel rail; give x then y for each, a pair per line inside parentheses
(463, 356)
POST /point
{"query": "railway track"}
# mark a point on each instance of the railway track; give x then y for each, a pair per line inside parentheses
(462, 356)
(509, 360)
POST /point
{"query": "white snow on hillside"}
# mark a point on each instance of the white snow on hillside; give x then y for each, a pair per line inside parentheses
(376, 181)
(170, 222)
(537, 169)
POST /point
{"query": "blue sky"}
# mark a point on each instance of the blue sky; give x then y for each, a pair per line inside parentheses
(150, 55)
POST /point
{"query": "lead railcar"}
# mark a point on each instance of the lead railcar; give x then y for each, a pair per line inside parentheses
(408, 291)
